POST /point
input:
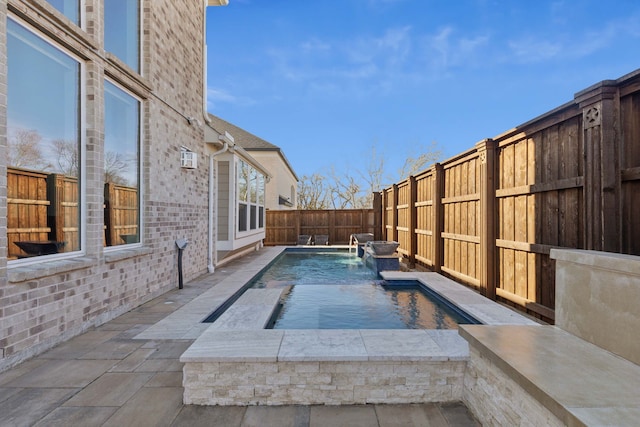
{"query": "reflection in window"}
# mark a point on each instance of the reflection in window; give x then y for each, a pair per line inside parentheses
(250, 197)
(43, 138)
(121, 166)
(70, 8)
(121, 31)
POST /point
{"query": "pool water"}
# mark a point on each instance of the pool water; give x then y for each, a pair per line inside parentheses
(334, 290)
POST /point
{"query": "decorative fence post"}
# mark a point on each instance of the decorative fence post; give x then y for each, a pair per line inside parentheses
(487, 154)
(378, 210)
(413, 221)
(394, 214)
(602, 183)
(438, 217)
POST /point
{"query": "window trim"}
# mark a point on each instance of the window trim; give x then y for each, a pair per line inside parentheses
(82, 134)
(141, 181)
(140, 62)
(248, 203)
(82, 14)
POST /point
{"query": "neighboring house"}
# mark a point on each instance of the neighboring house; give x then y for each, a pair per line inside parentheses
(238, 189)
(281, 191)
(102, 136)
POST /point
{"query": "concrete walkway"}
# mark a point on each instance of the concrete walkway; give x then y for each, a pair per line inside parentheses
(105, 377)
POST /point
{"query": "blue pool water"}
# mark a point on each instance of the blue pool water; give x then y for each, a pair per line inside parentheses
(334, 290)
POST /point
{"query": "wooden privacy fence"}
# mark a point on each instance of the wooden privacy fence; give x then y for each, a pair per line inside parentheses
(284, 226)
(43, 207)
(490, 216)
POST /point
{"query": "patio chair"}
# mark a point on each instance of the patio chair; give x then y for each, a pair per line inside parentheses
(321, 239)
(304, 239)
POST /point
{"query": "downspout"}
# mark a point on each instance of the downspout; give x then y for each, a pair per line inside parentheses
(205, 114)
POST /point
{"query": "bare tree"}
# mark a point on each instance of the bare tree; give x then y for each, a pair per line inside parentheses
(25, 150)
(426, 157)
(115, 166)
(355, 188)
(345, 191)
(67, 156)
(313, 192)
(373, 176)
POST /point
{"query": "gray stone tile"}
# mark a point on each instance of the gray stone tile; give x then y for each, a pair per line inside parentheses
(591, 377)
(276, 416)
(20, 370)
(132, 331)
(427, 414)
(457, 415)
(343, 416)
(111, 389)
(150, 406)
(324, 344)
(209, 416)
(80, 345)
(63, 373)
(133, 361)
(30, 405)
(6, 393)
(616, 416)
(452, 344)
(400, 345)
(79, 416)
(112, 349)
(239, 346)
(165, 379)
(170, 350)
(160, 365)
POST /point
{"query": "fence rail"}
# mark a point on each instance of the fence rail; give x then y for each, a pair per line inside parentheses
(490, 216)
(284, 226)
(43, 207)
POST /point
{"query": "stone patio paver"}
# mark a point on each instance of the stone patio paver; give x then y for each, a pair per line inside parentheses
(111, 389)
(77, 416)
(343, 416)
(140, 380)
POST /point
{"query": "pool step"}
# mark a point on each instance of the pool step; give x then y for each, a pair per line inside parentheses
(252, 310)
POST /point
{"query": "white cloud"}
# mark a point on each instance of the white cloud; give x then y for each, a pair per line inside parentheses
(445, 50)
(216, 96)
(315, 45)
(529, 50)
(577, 45)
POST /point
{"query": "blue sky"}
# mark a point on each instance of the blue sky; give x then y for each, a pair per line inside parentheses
(327, 80)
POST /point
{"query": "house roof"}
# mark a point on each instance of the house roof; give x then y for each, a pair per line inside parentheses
(247, 140)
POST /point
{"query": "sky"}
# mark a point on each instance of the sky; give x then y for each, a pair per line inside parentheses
(328, 81)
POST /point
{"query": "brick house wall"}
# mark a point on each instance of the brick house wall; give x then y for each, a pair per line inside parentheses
(48, 302)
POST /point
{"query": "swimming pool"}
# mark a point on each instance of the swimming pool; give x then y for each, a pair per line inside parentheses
(334, 290)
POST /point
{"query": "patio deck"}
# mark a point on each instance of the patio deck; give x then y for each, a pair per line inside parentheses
(106, 377)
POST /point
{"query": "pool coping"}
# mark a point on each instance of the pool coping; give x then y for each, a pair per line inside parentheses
(186, 322)
(235, 361)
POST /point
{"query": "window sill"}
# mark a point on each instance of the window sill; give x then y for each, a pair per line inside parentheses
(125, 253)
(47, 268)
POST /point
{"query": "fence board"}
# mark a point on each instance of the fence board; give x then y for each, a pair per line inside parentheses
(554, 182)
(284, 226)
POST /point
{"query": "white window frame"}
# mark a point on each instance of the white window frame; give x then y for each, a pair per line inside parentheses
(140, 68)
(82, 15)
(249, 203)
(140, 171)
(82, 132)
